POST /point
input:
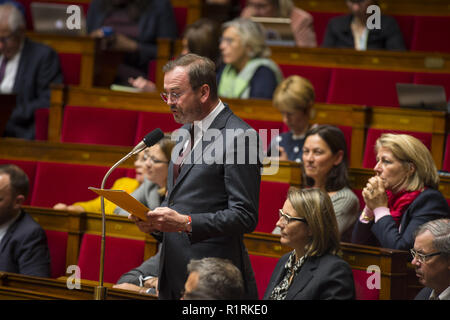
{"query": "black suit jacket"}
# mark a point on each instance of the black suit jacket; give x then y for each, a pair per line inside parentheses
(23, 248)
(429, 205)
(38, 68)
(327, 277)
(339, 34)
(222, 200)
(424, 294)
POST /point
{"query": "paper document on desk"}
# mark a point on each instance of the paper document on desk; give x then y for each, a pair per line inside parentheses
(124, 200)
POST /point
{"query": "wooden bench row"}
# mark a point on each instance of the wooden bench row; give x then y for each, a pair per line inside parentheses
(358, 118)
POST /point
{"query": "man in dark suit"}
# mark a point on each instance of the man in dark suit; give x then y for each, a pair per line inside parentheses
(23, 244)
(350, 31)
(431, 258)
(213, 188)
(26, 68)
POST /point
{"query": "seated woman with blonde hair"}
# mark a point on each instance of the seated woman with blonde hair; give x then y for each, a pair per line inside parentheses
(313, 270)
(401, 196)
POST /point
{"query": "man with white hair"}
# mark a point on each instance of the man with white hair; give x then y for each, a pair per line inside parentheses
(431, 258)
(26, 68)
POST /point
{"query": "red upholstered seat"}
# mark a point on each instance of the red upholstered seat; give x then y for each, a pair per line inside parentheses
(271, 198)
(366, 87)
(41, 124)
(68, 183)
(121, 255)
(319, 77)
(362, 291)
(321, 22)
(406, 25)
(435, 79)
(446, 164)
(148, 121)
(431, 33)
(99, 126)
(264, 128)
(70, 66)
(369, 160)
(29, 167)
(57, 245)
(181, 19)
(263, 268)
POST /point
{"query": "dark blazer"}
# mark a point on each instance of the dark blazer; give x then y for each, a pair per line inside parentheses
(38, 68)
(327, 277)
(157, 21)
(339, 34)
(424, 294)
(23, 248)
(222, 200)
(429, 205)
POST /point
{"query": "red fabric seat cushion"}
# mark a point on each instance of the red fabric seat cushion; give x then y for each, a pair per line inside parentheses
(431, 33)
(271, 198)
(121, 255)
(68, 183)
(366, 87)
(369, 160)
(57, 245)
(263, 268)
(70, 66)
(362, 291)
(99, 126)
(148, 121)
(319, 77)
(41, 124)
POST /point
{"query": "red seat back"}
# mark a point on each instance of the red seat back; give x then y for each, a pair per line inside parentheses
(41, 124)
(57, 245)
(435, 79)
(29, 167)
(431, 33)
(181, 19)
(70, 66)
(68, 183)
(271, 198)
(366, 87)
(321, 22)
(99, 126)
(121, 255)
(369, 160)
(263, 268)
(362, 291)
(406, 25)
(147, 121)
(319, 77)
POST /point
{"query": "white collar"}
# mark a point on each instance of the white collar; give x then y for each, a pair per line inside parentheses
(205, 123)
(445, 295)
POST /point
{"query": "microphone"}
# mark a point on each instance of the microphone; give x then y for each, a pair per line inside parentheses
(149, 140)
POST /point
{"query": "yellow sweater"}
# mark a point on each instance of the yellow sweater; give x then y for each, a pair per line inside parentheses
(94, 205)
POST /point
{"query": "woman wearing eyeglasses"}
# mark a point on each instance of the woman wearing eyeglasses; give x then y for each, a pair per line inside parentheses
(313, 270)
(401, 196)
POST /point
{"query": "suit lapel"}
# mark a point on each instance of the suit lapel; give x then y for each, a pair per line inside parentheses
(10, 231)
(18, 82)
(303, 278)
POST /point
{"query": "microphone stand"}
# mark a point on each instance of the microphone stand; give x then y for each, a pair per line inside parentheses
(100, 291)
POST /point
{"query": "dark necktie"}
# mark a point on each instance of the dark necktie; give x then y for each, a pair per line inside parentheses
(178, 163)
(3, 68)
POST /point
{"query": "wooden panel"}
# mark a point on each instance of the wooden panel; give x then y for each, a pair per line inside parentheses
(28, 287)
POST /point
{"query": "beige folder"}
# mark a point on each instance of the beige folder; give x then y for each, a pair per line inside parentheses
(125, 201)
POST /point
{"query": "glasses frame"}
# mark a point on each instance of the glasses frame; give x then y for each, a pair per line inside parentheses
(288, 218)
(8, 38)
(422, 258)
(171, 95)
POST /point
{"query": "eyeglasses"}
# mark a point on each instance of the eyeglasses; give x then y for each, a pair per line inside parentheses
(227, 40)
(153, 160)
(171, 95)
(422, 258)
(285, 218)
(7, 38)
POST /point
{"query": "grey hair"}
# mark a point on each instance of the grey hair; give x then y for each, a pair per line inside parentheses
(218, 279)
(16, 19)
(440, 229)
(252, 36)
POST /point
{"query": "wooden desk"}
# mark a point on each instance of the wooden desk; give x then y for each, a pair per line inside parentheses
(16, 286)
